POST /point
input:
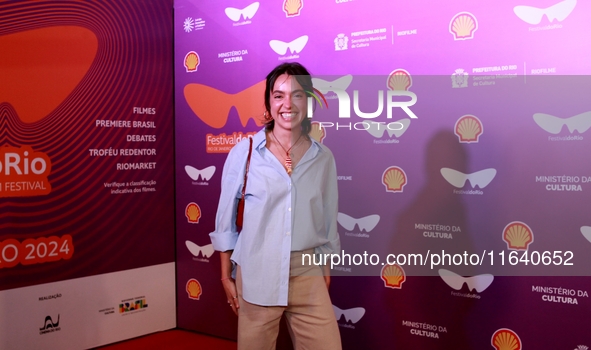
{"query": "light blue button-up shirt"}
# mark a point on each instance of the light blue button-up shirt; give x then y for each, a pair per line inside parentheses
(281, 214)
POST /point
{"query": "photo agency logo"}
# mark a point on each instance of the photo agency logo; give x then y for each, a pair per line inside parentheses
(364, 103)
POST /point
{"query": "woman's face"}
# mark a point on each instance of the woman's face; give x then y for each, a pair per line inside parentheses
(289, 103)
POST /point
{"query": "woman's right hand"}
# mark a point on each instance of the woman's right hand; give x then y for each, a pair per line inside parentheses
(231, 294)
(228, 282)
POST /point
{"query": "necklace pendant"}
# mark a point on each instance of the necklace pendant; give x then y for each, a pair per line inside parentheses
(288, 165)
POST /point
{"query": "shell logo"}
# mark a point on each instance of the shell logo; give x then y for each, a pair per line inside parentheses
(463, 26)
(468, 129)
(399, 80)
(192, 61)
(292, 8)
(394, 178)
(317, 132)
(505, 339)
(518, 235)
(194, 289)
(393, 276)
(193, 213)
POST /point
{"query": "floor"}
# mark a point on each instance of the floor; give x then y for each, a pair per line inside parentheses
(174, 339)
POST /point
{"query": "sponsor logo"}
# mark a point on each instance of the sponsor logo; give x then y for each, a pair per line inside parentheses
(190, 24)
(518, 235)
(534, 15)
(393, 276)
(292, 8)
(468, 129)
(317, 132)
(295, 46)
(586, 231)
(560, 295)
(563, 182)
(463, 26)
(196, 174)
(191, 61)
(206, 251)
(216, 114)
(399, 80)
(424, 329)
(247, 13)
(107, 311)
(459, 79)
(23, 172)
(133, 305)
(193, 213)
(554, 125)
(394, 179)
(340, 42)
(233, 56)
(477, 283)
(352, 316)
(366, 224)
(194, 289)
(49, 326)
(505, 338)
(458, 179)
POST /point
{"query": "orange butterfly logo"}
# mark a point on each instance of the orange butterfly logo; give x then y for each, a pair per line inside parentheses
(41, 67)
(212, 106)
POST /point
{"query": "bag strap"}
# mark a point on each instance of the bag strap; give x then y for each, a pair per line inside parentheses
(246, 170)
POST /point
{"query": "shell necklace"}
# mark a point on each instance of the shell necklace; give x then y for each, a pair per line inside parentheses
(287, 164)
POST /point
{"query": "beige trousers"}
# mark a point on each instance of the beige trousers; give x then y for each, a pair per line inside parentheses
(309, 314)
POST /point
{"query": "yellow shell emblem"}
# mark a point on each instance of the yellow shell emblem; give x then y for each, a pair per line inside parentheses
(194, 289)
(192, 61)
(394, 178)
(505, 339)
(518, 235)
(292, 7)
(317, 132)
(468, 129)
(393, 276)
(399, 80)
(463, 25)
(193, 213)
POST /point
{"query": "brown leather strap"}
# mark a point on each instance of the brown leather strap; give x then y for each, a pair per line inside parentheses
(246, 170)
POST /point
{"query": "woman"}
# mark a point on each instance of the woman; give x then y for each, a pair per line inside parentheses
(290, 210)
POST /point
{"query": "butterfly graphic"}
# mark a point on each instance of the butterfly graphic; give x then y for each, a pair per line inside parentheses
(247, 13)
(396, 128)
(586, 231)
(206, 251)
(533, 15)
(366, 224)
(341, 83)
(212, 105)
(351, 315)
(458, 179)
(205, 174)
(295, 46)
(455, 281)
(580, 122)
